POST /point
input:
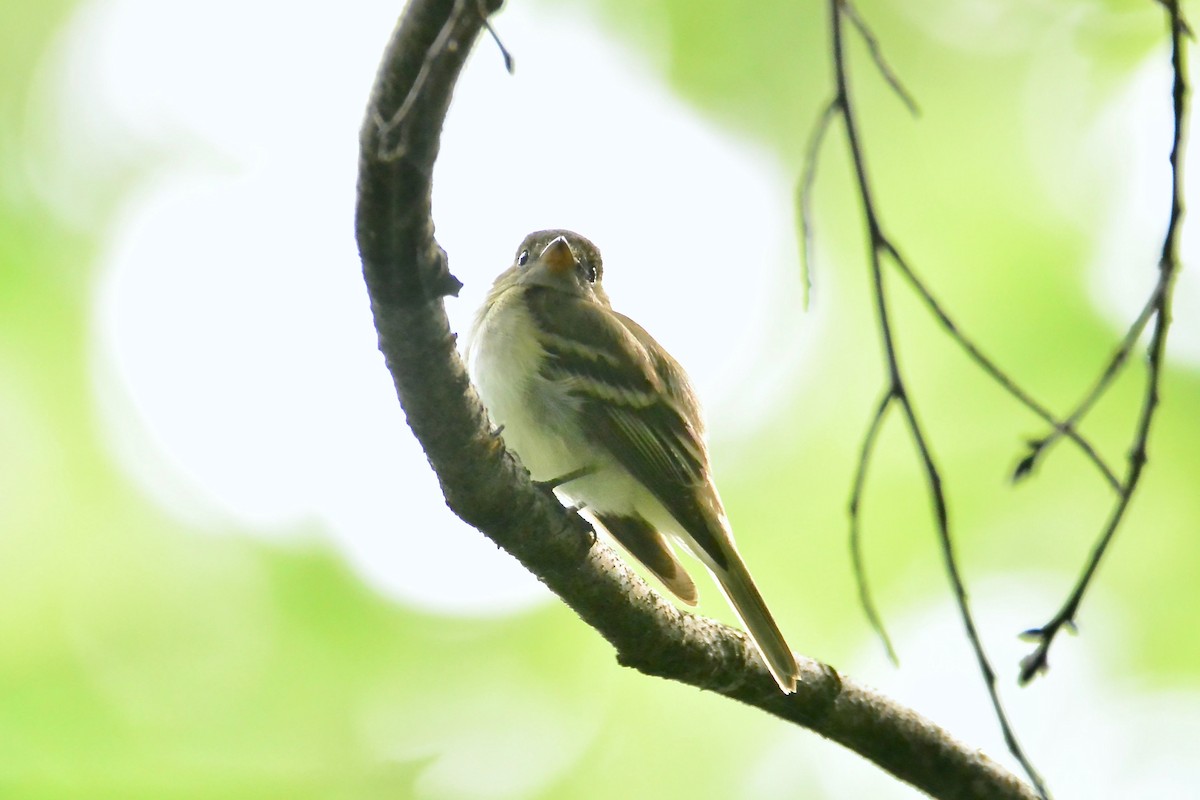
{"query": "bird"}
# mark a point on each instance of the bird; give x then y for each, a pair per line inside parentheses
(594, 406)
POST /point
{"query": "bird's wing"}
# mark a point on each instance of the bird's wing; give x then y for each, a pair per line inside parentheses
(674, 379)
(635, 401)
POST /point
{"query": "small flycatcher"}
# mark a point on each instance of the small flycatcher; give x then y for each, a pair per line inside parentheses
(584, 393)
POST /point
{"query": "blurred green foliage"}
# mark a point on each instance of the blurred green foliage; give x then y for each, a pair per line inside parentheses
(141, 658)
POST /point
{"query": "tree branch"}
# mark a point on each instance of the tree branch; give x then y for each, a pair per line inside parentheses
(407, 276)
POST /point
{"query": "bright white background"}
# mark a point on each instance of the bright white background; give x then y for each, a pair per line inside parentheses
(236, 367)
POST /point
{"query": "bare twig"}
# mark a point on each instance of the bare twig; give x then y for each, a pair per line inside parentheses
(1157, 306)
(897, 391)
(1184, 27)
(1040, 446)
(876, 52)
(407, 276)
(807, 182)
(1061, 428)
(1064, 428)
(860, 480)
(509, 64)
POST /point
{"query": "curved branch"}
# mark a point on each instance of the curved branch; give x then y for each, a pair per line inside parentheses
(407, 276)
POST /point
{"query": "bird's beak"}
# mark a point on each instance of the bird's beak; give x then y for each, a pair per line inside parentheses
(558, 257)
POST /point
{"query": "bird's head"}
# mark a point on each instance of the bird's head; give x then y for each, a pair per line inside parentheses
(562, 261)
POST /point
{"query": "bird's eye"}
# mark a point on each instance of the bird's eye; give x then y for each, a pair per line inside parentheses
(523, 259)
(590, 272)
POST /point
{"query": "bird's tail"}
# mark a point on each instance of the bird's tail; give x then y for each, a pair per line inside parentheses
(743, 595)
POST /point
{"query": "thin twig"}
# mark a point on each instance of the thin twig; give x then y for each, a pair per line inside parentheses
(1159, 306)
(1064, 428)
(1184, 27)
(812, 154)
(1038, 447)
(509, 63)
(960, 593)
(811, 158)
(881, 63)
(860, 479)
(879, 244)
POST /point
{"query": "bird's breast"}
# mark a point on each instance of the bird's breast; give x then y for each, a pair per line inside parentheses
(538, 416)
